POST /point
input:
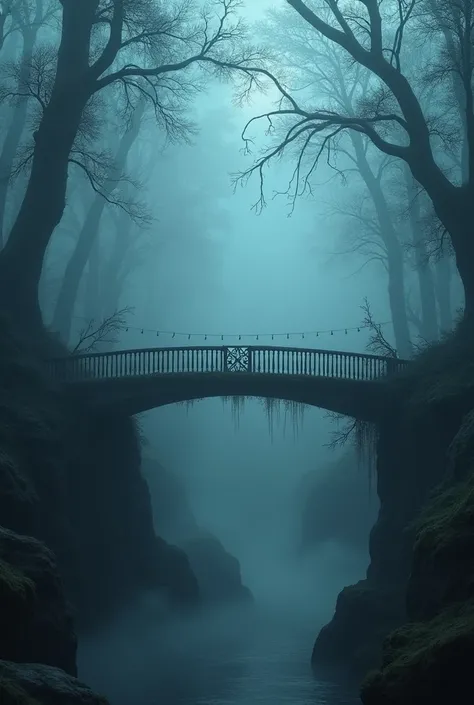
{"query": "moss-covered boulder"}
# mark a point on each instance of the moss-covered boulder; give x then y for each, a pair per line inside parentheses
(427, 663)
(35, 684)
(35, 620)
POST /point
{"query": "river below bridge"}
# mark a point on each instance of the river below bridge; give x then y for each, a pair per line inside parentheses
(249, 655)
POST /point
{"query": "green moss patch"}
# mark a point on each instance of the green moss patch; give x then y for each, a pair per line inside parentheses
(426, 662)
(448, 519)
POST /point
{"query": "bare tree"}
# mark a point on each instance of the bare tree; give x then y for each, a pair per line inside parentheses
(103, 332)
(88, 235)
(378, 343)
(8, 24)
(393, 119)
(426, 283)
(139, 48)
(320, 67)
(29, 16)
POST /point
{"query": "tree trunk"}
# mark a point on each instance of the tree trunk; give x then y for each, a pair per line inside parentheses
(397, 300)
(21, 260)
(429, 320)
(443, 293)
(114, 271)
(396, 270)
(89, 233)
(93, 294)
(454, 207)
(16, 126)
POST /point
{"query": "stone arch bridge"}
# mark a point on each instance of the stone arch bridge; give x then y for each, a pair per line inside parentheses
(134, 381)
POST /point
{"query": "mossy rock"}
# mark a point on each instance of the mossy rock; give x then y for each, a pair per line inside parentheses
(426, 662)
(12, 693)
(17, 593)
(447, 519)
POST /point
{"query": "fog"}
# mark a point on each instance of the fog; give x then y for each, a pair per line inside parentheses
(167, 234)
(227, 271)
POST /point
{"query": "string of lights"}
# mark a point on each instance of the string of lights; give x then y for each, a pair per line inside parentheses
(245, 336)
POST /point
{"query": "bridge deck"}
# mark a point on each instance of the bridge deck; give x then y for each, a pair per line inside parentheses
(254, 359)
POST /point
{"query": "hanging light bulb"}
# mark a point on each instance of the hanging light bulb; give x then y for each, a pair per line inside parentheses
(142, 331)
(346, 331)
(157, 333)
(332, 332)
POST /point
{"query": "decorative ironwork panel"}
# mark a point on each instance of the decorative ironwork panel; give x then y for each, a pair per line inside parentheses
(237, 359)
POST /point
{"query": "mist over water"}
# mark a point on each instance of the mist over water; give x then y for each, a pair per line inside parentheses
(216, 274)
(252, 501)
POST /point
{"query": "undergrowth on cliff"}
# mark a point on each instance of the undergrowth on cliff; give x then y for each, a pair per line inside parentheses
(417, 655)
(448, 518)
(440, 371)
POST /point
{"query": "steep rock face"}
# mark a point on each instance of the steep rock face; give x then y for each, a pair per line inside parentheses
(35, 684)
(172, 514)
(430, 659)
(72, 480)
(364, 615)
(217, 571)
(35, 620)
(111, 511)
(338, 505)
(412, 457)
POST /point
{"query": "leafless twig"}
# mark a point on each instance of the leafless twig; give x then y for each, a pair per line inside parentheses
(378, 343)
(104, 331)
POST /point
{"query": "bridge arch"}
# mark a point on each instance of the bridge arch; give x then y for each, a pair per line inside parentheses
(134, 381)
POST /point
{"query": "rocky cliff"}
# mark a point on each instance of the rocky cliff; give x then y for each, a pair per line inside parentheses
(69, 480)
(217, 571)
(429, 659)
(414, 437)
(72, 479)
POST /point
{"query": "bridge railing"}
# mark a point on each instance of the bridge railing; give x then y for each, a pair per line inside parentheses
(255, 359)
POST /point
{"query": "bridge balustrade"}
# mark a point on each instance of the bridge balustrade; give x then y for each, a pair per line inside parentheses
(235, 359)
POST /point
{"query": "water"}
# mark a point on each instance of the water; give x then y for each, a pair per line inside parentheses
(248, 655)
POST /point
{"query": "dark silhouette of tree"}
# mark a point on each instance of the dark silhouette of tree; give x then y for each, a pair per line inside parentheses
(428, 320)
(89, 233)
(28, 17)
(139, 49)
(393, 118)
(322, 71)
